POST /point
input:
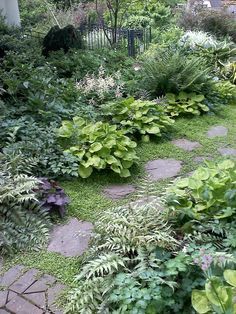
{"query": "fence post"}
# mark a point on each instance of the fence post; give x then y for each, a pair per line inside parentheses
(131, 43)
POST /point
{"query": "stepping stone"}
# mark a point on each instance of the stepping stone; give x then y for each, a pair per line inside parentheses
(21, 306)
(116, 192)
(227, 151)
(3, 298)
(52, 295)
(71, 239)
(11, 275)
(24, 281)
(217, 131)
(3, 312)
(163, 168)
(41, 285)
(38, 299)
(186, 144)
(200, 159)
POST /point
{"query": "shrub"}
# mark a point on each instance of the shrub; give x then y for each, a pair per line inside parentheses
(65, 38)
(98, 145)
(171, 72)
(138, 117)
(185, 104)
(128, 248)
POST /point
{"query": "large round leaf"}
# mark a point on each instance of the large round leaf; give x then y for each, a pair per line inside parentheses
(200, 301)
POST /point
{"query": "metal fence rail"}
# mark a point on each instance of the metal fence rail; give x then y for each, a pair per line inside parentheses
(135, 41)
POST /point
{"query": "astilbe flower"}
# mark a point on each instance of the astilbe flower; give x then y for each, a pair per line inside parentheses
(101, 85)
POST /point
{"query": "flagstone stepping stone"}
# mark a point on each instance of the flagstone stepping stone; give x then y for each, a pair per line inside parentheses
(200, 159)
(186, 144)
(116, 192)
(160, 169)
(71, 239)
(32, 292)
(218, 130)
(227, 151)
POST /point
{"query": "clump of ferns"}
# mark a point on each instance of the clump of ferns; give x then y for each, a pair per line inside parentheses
(23, 224)
(125, 240)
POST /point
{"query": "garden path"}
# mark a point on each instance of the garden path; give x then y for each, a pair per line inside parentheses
(27, 291)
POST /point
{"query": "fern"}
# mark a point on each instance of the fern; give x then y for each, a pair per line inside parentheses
(124, 241)
(23, 224)
(171, 72)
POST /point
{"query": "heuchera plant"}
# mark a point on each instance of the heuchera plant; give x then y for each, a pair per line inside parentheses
(52, 196)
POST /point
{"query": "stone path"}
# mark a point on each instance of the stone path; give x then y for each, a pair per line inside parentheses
(116, 192)
(186, 144)
(218, 130)
(227, 151)
(160, 169)
(29, 292)
(71, 239)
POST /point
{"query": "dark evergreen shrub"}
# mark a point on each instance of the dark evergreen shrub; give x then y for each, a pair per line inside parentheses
(65, 38)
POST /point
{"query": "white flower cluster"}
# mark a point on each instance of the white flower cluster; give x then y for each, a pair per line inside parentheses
(101, 85)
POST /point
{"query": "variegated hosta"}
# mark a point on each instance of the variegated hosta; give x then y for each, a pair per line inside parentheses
(185, 103)
(98, 146)
(139, 117)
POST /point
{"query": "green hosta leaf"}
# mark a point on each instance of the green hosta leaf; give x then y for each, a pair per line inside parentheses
(226, 164)
(153, 130)
(197, 98)
(127, 164)
(171, 98)
(109, 143)
(145, 138)
(78, 121)
(200, 302)
(183, 96)
(95, 147)
(201, 174)
(183, 183)
(66, 130)
(230, 277)
(125, 173)
(85, 172)
(115, 168)
(215, 291)
(79, 154)
(112, 160)
(195, 184)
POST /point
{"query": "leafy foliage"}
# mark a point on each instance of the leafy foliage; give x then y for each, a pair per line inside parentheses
(52, 196)
(124, 242)
(208, 193)
(138, 117)
(98, 146)
(23, 224)
(185, 104)
(218, 296)
(171, 72)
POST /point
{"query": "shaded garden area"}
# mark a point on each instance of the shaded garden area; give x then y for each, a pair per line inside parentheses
(118, 173)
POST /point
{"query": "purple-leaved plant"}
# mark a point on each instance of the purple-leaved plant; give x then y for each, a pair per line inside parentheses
(52, 197)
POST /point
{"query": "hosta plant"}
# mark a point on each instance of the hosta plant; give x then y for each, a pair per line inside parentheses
(185, 103)
(98, 146)
(219, 294)
(138, 117)
(210, 193)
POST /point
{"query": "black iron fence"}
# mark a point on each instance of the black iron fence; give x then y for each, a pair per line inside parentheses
(135, 41)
